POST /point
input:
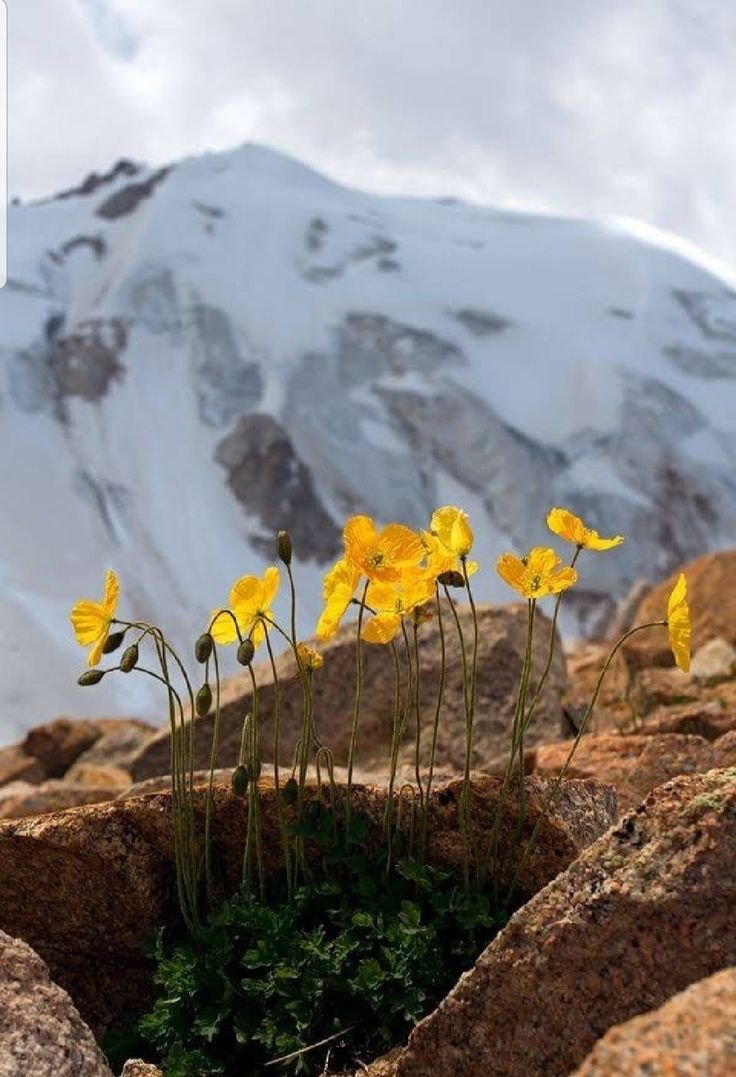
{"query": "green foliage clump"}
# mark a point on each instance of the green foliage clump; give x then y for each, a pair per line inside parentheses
(351, 962)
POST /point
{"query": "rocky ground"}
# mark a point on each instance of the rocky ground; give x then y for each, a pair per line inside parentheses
(623, 959)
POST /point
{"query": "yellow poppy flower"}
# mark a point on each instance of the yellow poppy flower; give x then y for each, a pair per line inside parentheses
(536, 575)
(678, 623)
(381, 555)
(392, 602)
(309, 658)
(452, 527)
(250, 599)
(91, 620)
(338, 590)
(570, 527)
(442, 559)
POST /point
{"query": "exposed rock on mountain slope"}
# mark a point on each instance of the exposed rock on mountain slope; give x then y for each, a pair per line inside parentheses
(194, 356)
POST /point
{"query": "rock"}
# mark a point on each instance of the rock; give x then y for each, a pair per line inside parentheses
(119, 746)
(92, 935)
(725, 750)
(709, 719)
(711, 583)
(625, 616)
(714, 661)
(644, 912)
(692, 1035)
(502, 635)
(22, 798)
(634, 764)
(98, 776)
(41, 1031)
(17, 765)
(658, 687)
(136, 1067)
(59, 743)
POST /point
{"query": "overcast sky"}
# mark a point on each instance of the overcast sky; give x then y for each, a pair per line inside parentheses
(589, 107)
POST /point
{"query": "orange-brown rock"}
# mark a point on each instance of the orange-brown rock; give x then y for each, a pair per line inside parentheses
(118, 746)
(633, 764)
(59, 743)
(21, 798)
(89, 887)
(711, 582)
(98, 776)
(692, 1035)
(644, 912)
(41, 1032)
(708, 718)
(725, 749)
(16, 765)
(501, 648)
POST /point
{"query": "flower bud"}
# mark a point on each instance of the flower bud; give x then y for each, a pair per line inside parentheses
(92, 676)
(451, 579)
(203, 701)
(246, 650)
(284, 547)
(130, 658)
(239, 780)
(112, 642)
(290, 792)
(203, 647)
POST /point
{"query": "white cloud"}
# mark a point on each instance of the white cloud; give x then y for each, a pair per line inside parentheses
(616, 108)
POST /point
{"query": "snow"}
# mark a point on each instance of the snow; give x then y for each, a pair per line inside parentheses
(413, 408)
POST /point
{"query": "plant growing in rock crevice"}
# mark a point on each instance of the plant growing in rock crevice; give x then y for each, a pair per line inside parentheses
(362, 981)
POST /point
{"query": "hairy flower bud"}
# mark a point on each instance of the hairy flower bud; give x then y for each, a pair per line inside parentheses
(284, 547)
(246, 650)
(203, 647)
(203, 701)
(451, 579)
(239, 780)
(129, 659)
(112, 642)
(92, 676)
(290, 792)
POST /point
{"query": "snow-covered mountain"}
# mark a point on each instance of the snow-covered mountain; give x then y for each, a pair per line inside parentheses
(196, 356)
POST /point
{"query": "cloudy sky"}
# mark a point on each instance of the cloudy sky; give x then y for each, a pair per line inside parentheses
(589, 107)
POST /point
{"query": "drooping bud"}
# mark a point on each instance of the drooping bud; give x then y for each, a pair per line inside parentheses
(239, 780)
(130, 658)
(203, 701)
(203, 647)
(112, 642)
(290, 792)
(246, 650)
(451, 579)
(284, 547)
(92, 676)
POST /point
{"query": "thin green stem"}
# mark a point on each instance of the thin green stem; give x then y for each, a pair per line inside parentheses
(356, 710)
(437, 713)
(555, 785)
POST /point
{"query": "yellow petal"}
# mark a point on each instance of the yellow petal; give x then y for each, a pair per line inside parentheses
(382, 628)
(271, 581)
(223, 626)
(88, 620)
(566, 524)
(678, 623)
(462, 535)
(382, 597)
(401, 546)
(557, 581)
(360, 536)
(541, 560)
(112, 593)
(512, 569)
(595, 542)
(95, 654)
(246, 596)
